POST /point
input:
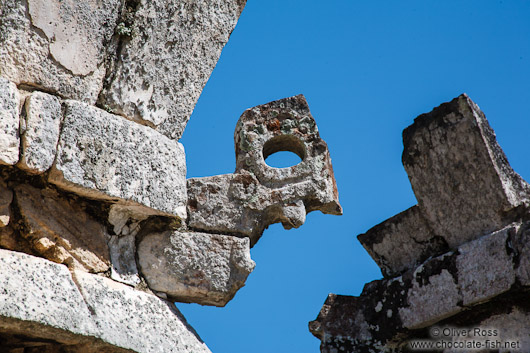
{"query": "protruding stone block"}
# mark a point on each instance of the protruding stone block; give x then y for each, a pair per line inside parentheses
(9, 120)
(195, 267)
(40, 134)
(62, 231)
(416, 240)
(58, 46)
(163, 66)
(104, 156)
(258, 195)
(460, 176)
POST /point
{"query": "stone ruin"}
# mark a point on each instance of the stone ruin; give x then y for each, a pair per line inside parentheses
(456, 266)
(100, 232)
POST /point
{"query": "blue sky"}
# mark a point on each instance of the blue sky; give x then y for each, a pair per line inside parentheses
(367, 70)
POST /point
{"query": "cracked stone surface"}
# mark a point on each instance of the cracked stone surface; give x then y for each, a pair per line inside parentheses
(41, 132)
(57, 46)
(86, 313)
(195, 267)
(61, 231)
(9, 121)
(168, 58)
(104, 156)
(258, 195)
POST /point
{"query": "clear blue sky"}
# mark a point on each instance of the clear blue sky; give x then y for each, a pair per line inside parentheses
(367, 69)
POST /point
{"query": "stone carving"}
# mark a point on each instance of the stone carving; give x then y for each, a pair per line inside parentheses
(257, 195)
(458, 258)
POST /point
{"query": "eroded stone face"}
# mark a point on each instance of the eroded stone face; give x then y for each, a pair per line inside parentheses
(195, 267)
(165, 62)
(58, 46)
(104, 156)
(258, 195)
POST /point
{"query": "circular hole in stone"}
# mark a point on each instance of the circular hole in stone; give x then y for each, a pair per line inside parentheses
(283, 151)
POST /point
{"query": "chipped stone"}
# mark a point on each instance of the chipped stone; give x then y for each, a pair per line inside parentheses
(258, 195)
(165, 63)
(62, 231)
(41, 132)
(6, 197)
(195, 267)
(106, 157)
(9, 121)
(57, 46)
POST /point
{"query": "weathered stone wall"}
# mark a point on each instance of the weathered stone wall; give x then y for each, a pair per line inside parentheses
(456, 265)
(99, 229)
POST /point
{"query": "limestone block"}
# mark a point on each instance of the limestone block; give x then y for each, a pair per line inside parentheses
(416, 240)
(57, 46)
(42, 305)
(195, 267)
(37, 293)
(9, 120)
(258, 195)
(107, 157)
(460, 175)
(168, 58)
(136, 320)
(62, 231)
(41, 132)
(485, 269)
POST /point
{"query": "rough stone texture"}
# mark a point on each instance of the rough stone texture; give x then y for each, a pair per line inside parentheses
(195, 267)
(57, 46)
(6, 197)
(62, 231)
(459, 259)
(463, 182)
(40, 133)
(104, 156)
(168, 58)
(122, 313)
(258, 195)
(414, 236)
(43, 307)
(9, 120)
(485, 267)
(41, 294)
(460, 175)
